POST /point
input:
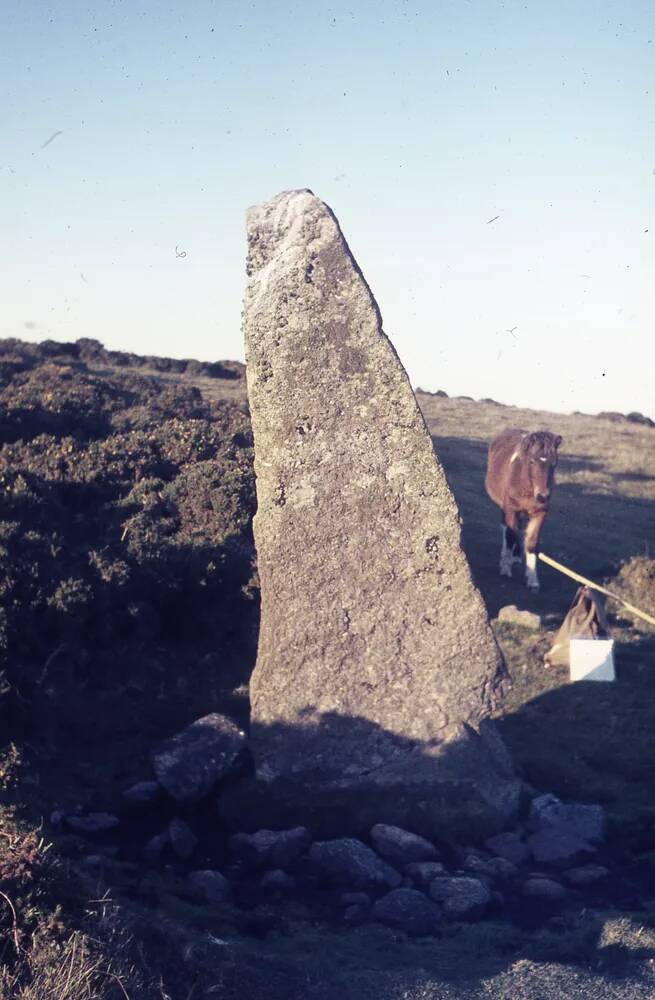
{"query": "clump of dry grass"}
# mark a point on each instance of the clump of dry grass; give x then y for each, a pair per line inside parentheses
(635, 582)
(43, 954)
(72, 970)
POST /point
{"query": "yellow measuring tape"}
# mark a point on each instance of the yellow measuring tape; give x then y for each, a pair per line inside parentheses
(596, 586)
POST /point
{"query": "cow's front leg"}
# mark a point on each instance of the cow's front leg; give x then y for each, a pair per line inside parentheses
(510, 543)
(532, 532)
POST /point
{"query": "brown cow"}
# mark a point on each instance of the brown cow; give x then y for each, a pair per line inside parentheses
(520, 480)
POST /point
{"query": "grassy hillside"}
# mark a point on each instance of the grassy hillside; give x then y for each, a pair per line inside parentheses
(130, 606)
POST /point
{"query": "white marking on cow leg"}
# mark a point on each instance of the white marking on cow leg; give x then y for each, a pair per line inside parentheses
(505, 555)
(531, 578)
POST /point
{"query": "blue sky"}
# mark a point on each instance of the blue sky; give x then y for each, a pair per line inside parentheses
(417, 123)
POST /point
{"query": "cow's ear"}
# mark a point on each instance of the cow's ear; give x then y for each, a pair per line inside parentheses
(525, 442)
(558, 440)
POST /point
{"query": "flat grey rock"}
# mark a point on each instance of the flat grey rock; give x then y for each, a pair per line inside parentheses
(408, 910)
(189, 764)
(376, 647)
(267, 848)
(462, 897)
(347, 861)
(211, 885)
(401, 847)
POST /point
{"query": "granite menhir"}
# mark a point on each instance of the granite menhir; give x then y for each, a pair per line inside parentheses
(376, 661)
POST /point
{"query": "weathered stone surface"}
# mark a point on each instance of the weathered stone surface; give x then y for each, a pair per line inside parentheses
(409, 910)
(515, 616)
(212, 885)
(401, 847)
(462, 898)
(347, 861)
(270, 847)
(190, 763)
(374, 643)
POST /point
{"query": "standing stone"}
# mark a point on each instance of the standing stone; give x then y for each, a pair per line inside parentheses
(375, 656)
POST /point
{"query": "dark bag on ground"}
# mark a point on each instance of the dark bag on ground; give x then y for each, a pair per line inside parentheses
(585, 620)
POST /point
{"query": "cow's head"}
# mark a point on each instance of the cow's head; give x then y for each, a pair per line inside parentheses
(539, 454)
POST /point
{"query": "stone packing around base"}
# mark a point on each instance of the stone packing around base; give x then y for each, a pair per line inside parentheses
(375, 651)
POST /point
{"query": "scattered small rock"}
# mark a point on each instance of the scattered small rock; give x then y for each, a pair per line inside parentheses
(355, 914)
(143, 793)
(156, 846)
(424, 872)
(501, 868)
(213, 886)
(490, 868)
(277, 881)
(509, 846)
(587, 821)
(93, 822)
(189, 764)
(401, 847)
(182, 839)
(476, 865)
(355, 899)
(558, 846)
(462, 898)
(347, 861)
(408, 910)
(96, 861)
(526, 619)
(270, 848)
(564, 832)
(543, 888)
(579, 878)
